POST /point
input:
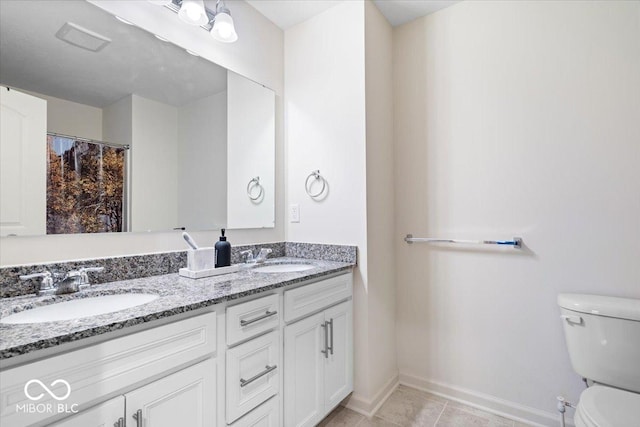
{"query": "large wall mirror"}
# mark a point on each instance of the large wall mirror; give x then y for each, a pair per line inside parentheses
(106, 128)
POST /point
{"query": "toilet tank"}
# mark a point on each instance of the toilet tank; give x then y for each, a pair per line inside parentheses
(603, 338)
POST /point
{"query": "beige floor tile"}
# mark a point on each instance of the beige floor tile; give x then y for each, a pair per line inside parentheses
(342, 417)
(376, 422)
(495, 420)
(426, 394)
(455, 417)
(408, 408)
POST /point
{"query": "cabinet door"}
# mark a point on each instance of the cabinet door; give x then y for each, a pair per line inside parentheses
(338, 367)
(303, 371)
(106, 414)
(185, 398)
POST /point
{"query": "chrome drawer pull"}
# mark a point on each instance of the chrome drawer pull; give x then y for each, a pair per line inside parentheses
(326, 340)
(138, 417)
(264, 316)
(268, 369)
(330, 322)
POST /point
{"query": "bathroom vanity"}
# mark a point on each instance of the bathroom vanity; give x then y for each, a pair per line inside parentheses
(244, 349)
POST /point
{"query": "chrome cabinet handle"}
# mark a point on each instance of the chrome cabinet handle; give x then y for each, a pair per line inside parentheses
(138, 417)
(119, 423)
(326, 340)
(330, 322)
(264, 316)
(267, 369)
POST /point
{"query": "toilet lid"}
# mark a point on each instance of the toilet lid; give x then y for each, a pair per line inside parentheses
(602, 406)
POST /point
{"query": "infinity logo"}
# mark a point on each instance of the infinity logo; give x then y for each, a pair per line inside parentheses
(51, 393)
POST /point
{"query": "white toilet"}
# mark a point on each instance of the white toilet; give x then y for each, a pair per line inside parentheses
(603, 338)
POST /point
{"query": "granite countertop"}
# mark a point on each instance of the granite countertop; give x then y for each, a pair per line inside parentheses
(176, 295)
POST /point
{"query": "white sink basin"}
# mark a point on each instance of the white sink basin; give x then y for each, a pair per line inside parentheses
(82, 307)
(283, 268)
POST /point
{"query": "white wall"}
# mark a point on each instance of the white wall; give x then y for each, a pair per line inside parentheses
(338, 124)
(325, 121)
(71, 118)
(258, 55)
(383, 368)
(513, 119)
(202, 166)
(154, 166)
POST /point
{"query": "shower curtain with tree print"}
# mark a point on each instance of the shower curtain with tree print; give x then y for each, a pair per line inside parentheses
(85, 186)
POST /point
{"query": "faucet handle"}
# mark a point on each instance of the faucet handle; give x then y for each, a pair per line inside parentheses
(43, 274)
(84, 277)
(247, 255)
(47, 280)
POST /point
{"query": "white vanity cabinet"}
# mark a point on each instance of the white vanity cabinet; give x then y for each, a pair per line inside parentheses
(224, 366)
(79, 379)
(186, 397)
(108, 413)
(318, 350)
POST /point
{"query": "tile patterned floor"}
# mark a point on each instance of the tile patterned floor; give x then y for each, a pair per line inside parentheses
(408, 407)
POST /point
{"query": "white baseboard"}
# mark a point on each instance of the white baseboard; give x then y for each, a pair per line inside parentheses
(368, 407)
(485, 402)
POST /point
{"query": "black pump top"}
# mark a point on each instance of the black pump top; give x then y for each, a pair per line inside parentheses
(223, 238)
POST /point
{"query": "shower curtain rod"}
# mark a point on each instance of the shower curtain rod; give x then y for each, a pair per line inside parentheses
(93, 141)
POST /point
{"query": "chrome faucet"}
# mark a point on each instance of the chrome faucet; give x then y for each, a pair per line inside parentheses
(249, 258)
(72, 281)
(262, 255)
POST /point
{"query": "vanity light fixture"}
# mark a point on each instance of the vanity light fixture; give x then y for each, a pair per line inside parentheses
(193, 12)
(219, 22)
(223, 29)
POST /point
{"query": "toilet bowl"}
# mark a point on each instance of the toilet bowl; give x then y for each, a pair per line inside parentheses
(603, 339)
(602, 406)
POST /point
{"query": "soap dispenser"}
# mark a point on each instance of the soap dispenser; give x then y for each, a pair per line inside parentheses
(223, 252)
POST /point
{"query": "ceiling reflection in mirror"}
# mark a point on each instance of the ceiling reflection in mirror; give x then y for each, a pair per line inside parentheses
(108, 128)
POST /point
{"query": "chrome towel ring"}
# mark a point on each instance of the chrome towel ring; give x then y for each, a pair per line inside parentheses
(308, 183)
(251, 186)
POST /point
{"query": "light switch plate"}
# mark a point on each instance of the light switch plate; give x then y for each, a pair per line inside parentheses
(294, 213)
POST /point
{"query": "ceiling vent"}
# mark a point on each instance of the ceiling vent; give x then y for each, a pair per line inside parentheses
(81, 37)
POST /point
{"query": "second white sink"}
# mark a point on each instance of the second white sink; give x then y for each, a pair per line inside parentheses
(77, 308)
(283, 268)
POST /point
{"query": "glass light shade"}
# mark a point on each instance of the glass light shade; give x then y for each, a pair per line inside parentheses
(192, 12)
(223, 29)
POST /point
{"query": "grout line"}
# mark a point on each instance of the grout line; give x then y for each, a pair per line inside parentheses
(441, 412)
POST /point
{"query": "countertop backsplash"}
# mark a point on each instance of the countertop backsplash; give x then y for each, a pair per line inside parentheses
(138, 266)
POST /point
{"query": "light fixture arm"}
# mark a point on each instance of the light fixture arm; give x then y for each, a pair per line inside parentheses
(221, 7)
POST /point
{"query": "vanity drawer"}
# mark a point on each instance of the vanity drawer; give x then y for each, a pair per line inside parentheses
(253, 374)
(302, 301)
(252, 318)
(265, 415)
